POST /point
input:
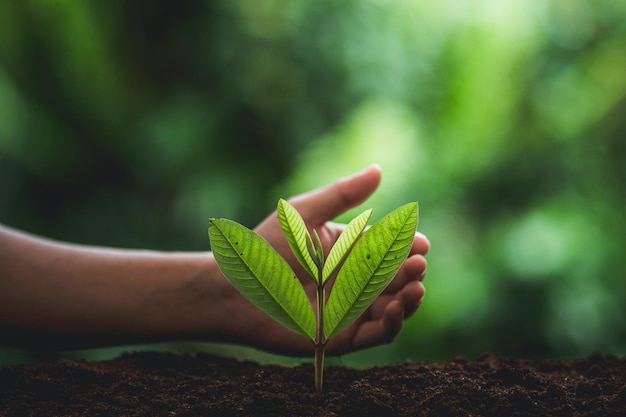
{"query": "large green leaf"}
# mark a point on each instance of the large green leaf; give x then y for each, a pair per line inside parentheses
(370, 267)
(344, 244)
(260, 274)
(297, 235)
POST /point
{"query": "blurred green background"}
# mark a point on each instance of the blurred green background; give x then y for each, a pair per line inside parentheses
(131, 123)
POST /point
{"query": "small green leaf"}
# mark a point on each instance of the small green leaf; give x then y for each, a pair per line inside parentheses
(261, 275)
(312, 251)
(319, 250)
(344, 244)
(297, 235)
(370, 267)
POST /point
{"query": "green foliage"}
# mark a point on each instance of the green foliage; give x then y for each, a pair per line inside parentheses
(372, 264)
(297, 236)
(344, 244)
(267, 280)
(261, 275)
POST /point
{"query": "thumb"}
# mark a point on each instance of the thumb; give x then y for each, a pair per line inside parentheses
(326, 203)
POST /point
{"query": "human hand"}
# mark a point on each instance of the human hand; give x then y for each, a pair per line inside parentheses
(382, 322)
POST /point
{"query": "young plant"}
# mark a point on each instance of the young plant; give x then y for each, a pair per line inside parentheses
(366, 264)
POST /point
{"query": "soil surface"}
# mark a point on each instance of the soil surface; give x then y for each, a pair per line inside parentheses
(158, 384)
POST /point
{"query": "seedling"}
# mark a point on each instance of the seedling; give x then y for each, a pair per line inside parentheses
(365, 264)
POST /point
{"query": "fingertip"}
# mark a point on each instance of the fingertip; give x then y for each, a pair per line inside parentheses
(328, 202)
(416, 266)
(375, 168)
(421, 244)
(411, 298)
(393, 319)
(364, 182)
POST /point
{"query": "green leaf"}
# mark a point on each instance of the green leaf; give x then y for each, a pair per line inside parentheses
(370, 267)
(297, 235)
(261, 275)
(318, 251)
(344, 244)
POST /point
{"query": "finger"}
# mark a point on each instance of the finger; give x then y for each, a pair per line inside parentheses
(388, 325)
(328, 202)
(413, 269)
(384, 330)
(411, 298)
(421, 244)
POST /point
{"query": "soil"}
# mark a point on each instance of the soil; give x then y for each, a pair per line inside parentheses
(168, 384)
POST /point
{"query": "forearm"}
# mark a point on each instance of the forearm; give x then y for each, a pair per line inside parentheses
(56, 295)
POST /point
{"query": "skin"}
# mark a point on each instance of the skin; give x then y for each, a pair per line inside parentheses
(56, 295)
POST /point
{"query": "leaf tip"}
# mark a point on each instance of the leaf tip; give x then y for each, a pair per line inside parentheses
(282, 202)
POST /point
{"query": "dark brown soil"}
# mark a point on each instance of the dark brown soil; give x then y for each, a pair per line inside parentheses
(157, 384)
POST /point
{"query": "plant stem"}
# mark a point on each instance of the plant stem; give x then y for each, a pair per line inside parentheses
(319, 366)
(320, 342)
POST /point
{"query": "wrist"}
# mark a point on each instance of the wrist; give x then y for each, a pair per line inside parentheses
(199, 299)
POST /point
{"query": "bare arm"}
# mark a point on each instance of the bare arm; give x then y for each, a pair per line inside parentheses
(89, 296)
(55, 295)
